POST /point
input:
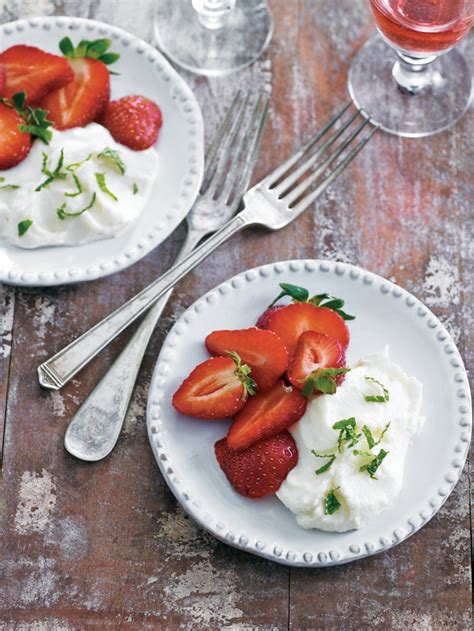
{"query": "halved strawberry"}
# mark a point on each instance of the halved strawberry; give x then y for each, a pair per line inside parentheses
(33, 71)
(263, 319)
(315, 351)
(134, 121)
(293, 320)
(14, 144)
(262, 350)
(82, 100)
(261, 469)
(3, 79)
(215, 389)
(266, 414)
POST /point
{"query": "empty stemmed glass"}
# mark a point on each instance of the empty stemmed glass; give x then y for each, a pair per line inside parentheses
(410, 80)
(213, 37)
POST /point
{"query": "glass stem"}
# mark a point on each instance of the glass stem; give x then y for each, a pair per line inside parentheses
(213, 14)
(413, 74)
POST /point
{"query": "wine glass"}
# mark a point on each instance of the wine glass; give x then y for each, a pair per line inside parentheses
(213, 37)
(411, 81)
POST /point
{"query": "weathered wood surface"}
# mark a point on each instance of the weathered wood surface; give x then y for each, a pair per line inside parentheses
(105, 545)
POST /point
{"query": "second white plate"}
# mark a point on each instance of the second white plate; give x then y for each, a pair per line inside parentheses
(143, 70)
(386, 314)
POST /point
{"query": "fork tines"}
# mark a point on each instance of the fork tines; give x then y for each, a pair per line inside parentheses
(304, 176)
(230, 158)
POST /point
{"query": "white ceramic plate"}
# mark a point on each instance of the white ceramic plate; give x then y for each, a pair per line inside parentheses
(386, 314)
(143, 70)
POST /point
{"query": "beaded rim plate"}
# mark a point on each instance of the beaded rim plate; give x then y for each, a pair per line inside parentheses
(143, 70)
(386, 314)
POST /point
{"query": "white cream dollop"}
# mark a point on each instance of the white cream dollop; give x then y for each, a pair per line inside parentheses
(107, 216)
(361, 497)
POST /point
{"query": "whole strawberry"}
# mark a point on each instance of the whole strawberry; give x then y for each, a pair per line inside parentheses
(134, 121)
(259, 470)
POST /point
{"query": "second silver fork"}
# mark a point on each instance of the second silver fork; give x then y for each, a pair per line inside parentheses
(96, 426)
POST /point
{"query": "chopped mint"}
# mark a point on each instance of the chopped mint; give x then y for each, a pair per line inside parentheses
(100, 177)
(369, 436)
(325, 466)
(322, 379)
(331, 503)
(347, 434)
(374, 464)
(78, 187)
(57, 174)
(62, 212)
(377, 398)
(113, 156)
(135, 188)
(75, 165)
(7, 187)
(24, 226)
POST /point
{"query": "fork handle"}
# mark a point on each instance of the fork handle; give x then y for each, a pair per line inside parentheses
(59, 369)
(95, 428)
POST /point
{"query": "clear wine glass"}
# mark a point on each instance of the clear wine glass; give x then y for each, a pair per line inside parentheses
(213, 37)
(410, 80)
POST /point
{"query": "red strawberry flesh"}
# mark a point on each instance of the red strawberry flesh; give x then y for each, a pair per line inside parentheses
(261, 469)
(266, 414)
(313, 351)
(14, 144)
(213, 390)
(81, 101)
(33, 71)
(293, 320)
(262, 350)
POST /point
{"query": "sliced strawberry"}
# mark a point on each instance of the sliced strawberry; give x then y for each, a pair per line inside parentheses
(266, 414)
(82, 100)
(14, 144)
(263, 319)
(3, 79)
(262, 350)
(314, 351)
(261, 469)
(215, 389)
(293, 320)
(134, 121)
(33, 71)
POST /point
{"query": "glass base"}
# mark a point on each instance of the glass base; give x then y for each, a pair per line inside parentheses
(245, 33)
(434, 108)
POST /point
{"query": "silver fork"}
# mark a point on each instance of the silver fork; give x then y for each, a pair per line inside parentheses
(230, 160)
(274, 202)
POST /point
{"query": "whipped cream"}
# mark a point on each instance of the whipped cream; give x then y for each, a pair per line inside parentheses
(110, 211)
(361, 497)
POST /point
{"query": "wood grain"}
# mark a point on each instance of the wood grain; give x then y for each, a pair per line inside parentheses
(105, 545)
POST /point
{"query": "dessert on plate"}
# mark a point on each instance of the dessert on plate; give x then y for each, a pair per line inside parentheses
(328, 438)
(74, 166)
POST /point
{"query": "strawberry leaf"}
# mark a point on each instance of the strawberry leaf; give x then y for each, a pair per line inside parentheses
(297, 294)
(243, 373)
(36, 120)
(96, 49)
(323, 380)
(331, 302)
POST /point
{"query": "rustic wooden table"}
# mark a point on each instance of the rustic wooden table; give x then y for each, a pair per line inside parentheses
(105, 545)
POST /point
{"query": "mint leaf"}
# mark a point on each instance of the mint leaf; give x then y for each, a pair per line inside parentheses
(114, 157)
(377, 398)
(374, 464)
(325, 467)
(24, 226)
(57, 174)
(331, 503)
(322, 380)
(135, 188)
(62, 213)
(100, 177)
(78, 187)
